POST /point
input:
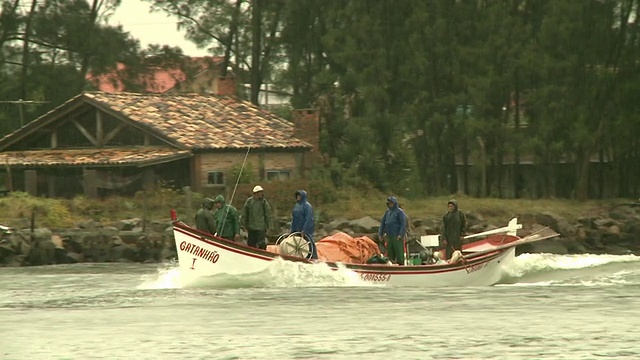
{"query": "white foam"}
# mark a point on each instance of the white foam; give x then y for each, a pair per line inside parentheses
(572, 270)
(167, 277)
(280, 273)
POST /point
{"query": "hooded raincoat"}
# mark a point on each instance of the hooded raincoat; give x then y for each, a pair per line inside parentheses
(394, 225)
(226, 219)
(302, 219)
(204, 217)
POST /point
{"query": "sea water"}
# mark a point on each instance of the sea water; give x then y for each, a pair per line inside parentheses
(546, 307)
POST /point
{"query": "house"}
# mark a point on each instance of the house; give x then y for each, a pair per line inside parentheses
(101, 143)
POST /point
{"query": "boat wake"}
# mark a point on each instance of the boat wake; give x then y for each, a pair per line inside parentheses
(572, 270)
(526, 270)
(280, 273)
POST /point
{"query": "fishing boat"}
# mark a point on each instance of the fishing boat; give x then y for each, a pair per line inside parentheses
(481, 262)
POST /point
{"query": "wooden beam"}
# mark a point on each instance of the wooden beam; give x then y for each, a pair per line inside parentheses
(31, 182)
(51, 184)
(114, 132)
(90, 183)
(85, 133)
(54, 139)
(99, 129)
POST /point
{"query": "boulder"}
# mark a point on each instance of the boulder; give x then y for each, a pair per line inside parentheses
(549, 219)
(550, 246)
(89, 225)
(366, 224)
(123, 253)
(42, 252)
(128, 224)
(339, 224)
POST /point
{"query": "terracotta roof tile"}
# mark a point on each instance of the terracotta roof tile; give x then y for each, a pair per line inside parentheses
(93, 156)
(202, 121)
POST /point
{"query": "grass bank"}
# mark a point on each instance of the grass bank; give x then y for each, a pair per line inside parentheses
(153, 204)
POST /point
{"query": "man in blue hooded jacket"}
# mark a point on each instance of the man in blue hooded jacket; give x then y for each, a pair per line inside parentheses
(393, 225)
(302, 220)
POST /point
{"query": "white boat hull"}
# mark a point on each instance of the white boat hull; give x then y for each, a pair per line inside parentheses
(201, 255)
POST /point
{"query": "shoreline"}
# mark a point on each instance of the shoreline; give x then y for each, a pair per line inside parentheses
(613, 231)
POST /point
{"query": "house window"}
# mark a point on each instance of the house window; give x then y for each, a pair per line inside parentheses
(215, 178)
(278, 175)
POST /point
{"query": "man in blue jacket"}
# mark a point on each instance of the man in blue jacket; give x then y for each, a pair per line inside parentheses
(393, 226)
(302, 220)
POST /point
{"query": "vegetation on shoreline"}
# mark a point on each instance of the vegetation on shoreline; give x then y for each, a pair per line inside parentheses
(330, 203)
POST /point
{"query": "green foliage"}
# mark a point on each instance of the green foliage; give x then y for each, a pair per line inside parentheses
(550, 81)
(46, 212)
(243, 173)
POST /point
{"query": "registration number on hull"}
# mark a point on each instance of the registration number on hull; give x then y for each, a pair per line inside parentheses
(375, 277)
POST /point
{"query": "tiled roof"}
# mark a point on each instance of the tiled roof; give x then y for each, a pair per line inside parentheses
(195, 121)
(93, 156)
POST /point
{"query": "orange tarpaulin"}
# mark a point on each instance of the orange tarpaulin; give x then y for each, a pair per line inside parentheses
(341, 247)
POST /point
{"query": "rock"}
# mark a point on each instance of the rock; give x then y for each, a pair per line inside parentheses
(366, 224)
(548, 219)
(575, 246)
(42, 252)
(617, 250)
(131, 237)
(57, 242)
(339, 224)
(550, 246)
(128, 224)
(160, 226)
(116, 241)
(89, 225)
(623, 212)
(603, 222)
(124, 252)
(24, 248)
(74, 258)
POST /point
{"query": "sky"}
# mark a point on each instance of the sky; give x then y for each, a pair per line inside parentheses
(156, 28)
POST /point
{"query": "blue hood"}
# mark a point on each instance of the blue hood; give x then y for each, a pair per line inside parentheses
(394, 201)
(303, 196)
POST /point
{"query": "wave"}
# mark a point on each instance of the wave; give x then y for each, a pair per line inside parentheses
(280, 273)
(572, 270)
(526, 270)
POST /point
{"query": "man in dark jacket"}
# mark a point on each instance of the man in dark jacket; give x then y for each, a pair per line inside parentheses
(204, 217)
(302, 220)
(454, 224)
(227, 221)
(393, 226)
(256, 218)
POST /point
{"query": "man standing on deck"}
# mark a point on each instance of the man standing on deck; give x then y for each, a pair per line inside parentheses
(303, 220)
(256, 218)
(226, 219)
(204, 217)
(393, 226)
(454, 223)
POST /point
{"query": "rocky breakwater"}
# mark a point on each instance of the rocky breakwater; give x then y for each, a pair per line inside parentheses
(125, 241)
(615, 230)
